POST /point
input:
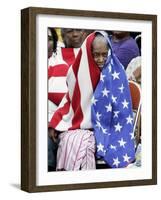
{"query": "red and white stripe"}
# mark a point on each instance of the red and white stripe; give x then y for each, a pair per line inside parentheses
(58, 66)
(76, 150)
(63, 54)
(74, 111)
(69, 55)
(57, 82)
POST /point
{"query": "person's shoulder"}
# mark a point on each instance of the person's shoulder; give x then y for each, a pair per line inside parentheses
(130, 43)
(56, 60)
(135, 62)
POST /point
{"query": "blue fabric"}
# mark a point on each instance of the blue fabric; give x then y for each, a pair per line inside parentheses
(112, 115)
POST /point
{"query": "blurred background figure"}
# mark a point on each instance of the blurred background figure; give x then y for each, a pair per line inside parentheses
(133, 69)
(124, 47)
(52, 41)
(73, 38)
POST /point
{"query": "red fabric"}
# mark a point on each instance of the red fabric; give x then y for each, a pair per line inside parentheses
(55, 97)
(68, 55)
(57, 70)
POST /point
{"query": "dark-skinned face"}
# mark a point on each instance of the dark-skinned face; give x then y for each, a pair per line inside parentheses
(100, 52)
(73, 38)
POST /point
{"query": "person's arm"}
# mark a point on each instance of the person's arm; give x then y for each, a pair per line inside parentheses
(137, 73)
(53, 134)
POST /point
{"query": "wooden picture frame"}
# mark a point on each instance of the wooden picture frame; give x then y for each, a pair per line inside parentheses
(29, 96)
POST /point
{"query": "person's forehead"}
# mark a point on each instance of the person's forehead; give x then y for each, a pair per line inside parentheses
(68, 30)
(100, 42)
(100, 49)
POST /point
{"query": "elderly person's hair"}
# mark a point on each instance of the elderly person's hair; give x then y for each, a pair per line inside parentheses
(100, 38)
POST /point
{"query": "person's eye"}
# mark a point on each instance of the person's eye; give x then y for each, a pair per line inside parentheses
(104, 55)
(95, 55)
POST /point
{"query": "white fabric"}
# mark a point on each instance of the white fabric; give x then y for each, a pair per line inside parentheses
(76, 150)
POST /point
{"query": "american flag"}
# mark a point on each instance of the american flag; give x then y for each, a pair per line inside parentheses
(74, 111)
(112, 115)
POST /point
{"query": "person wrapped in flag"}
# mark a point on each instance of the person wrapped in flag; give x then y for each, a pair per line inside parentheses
(95, 116)
(112, 115)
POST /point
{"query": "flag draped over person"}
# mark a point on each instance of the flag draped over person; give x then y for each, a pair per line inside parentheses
(99, 101)
(112, 115)
(74, 111)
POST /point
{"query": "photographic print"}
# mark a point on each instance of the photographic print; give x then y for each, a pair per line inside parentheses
(81, 132)
(88, 120)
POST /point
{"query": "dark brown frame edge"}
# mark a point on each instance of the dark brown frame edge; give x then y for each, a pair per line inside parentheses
(28, 98)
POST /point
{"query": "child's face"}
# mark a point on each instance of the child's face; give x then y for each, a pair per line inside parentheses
(99, 52)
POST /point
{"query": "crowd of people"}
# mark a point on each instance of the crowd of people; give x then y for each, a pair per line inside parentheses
(89, 105)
